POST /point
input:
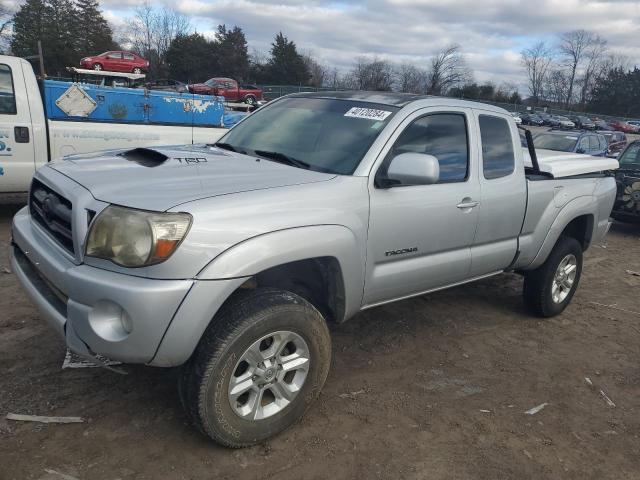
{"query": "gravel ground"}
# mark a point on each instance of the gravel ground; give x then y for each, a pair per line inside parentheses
(430, 388)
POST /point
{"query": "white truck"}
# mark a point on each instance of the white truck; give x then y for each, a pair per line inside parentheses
(30, 139)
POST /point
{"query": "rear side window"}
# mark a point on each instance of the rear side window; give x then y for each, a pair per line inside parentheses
(7, 94)
(128, 56)
(443, 135)
(497, 147)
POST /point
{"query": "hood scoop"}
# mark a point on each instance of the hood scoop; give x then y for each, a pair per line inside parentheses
(146, 157)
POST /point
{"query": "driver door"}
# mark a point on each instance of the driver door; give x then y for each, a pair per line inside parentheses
(420, 236)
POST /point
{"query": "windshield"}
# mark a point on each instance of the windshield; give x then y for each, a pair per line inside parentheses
(326, 135)
(630, 155)
(211, 82)
(561, 143)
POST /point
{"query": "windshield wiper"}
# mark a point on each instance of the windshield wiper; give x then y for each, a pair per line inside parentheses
(226, 146)
(282, 158)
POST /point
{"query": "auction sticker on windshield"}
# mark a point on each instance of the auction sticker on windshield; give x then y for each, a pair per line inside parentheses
(367, 113)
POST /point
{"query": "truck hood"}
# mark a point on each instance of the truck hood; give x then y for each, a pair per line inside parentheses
(146, 181)
(562, 164)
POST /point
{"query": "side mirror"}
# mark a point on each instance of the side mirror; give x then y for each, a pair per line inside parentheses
(413, 169)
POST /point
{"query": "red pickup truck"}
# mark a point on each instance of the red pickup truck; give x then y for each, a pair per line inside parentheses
(229, 89)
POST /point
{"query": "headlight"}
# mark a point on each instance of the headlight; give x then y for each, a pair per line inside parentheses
(136, 238)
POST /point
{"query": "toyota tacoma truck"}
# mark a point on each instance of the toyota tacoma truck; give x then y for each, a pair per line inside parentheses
(229, 260)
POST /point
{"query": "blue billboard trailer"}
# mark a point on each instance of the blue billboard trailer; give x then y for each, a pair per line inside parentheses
(82, 101)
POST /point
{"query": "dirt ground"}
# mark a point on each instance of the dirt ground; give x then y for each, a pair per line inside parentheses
(430, 388)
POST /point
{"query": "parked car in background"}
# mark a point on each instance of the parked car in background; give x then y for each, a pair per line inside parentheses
(516, 117)
(548, 119)
(229, 89)
(593, 144)
(169, 85)
(635, 123)
(627, 206)
(583, 122)
(532, 119)
(116, 61)
(622, 126)
(617, 142)
(602, 125)
(564, 122)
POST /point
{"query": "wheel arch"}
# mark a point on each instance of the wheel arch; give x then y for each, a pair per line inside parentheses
(322, 264)
(577, 219)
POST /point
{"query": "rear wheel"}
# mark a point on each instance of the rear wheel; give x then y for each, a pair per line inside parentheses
(137, 70)
(260, 364)
(250, 100)
(549, 289)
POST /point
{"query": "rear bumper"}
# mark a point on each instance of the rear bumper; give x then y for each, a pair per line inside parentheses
(96, 311)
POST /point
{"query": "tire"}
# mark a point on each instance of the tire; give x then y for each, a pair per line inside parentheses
(97, 67)
(546, 292)
(137, 70)
(279, 321)
(250, 100)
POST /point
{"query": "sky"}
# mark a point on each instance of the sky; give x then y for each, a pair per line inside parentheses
(492, 33)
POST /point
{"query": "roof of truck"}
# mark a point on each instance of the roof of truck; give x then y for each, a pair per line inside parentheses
(396, 99)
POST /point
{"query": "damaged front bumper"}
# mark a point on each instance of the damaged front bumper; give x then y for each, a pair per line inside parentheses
(122, 317)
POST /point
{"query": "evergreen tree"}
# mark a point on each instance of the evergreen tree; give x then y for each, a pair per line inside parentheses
(191, 58)
(96, 35)
(286, 65)
(618, 93)
(68, 31)
(232, 53)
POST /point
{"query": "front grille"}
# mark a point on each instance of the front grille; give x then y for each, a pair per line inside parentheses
(52, 212)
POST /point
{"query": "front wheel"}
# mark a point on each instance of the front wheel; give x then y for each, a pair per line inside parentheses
(262, 361)
(549, 289)
(97, 67)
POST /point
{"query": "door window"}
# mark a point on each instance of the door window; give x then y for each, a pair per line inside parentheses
(583, 145)
(594, 144)
(114, 56)
(7, 94)
(128, 56)
(498, 159)
(443, 135)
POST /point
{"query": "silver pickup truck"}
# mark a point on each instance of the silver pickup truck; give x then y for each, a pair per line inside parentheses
(228, 260)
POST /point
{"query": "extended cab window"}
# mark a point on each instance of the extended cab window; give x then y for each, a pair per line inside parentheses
(498, 158)
(443, 135)
(7, 94)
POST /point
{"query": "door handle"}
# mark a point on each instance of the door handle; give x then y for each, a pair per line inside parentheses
(21, 134)
(467, 203)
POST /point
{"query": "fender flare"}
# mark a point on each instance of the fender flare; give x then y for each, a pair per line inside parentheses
(229, 270)
(268, 250)
(578, 207)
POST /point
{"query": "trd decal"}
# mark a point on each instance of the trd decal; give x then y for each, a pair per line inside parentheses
(190, 159)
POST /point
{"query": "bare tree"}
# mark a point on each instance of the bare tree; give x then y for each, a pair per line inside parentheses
(556, 87)
(574, 46)
(448, 69)
(151, 31)
(536, 61)
(594, 57)
(410, 79)
(317, 71)
(376, 75)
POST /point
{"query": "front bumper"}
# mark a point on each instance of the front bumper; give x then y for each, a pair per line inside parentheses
(119, 316)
